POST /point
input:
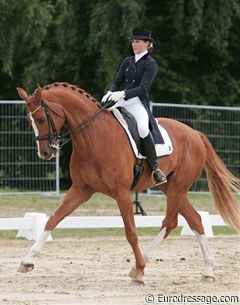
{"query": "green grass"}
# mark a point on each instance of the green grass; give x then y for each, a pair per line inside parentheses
(88, 233)
(98, 205)
(81, 233)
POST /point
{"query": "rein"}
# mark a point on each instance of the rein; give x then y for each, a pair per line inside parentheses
(81, 126)
(55, 139)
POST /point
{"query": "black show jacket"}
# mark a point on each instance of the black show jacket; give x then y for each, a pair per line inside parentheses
(136, 80)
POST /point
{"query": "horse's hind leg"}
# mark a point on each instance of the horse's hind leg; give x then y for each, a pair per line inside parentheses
(72, 200)
(195, 223)
(168, 224)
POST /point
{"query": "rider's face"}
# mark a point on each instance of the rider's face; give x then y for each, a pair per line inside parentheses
(139, 46)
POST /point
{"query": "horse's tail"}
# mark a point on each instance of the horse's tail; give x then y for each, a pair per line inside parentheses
(222, 183)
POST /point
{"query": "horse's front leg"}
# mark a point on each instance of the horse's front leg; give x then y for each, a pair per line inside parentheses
(125, 205)
(72, 200)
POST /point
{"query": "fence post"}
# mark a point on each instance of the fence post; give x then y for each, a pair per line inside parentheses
(57, 175)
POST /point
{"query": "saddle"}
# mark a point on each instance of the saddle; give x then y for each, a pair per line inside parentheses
(129, 124)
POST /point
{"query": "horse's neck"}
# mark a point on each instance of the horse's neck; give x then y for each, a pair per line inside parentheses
(81, 121)
(78, 108)
(97, 138)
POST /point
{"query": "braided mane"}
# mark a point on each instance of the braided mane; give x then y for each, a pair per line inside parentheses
(75, 89)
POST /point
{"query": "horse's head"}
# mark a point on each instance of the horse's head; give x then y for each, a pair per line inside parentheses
(46, 122)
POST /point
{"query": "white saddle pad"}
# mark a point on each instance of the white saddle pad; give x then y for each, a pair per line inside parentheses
(161, 149)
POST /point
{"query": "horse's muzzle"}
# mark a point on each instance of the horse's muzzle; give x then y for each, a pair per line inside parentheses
(48, 153)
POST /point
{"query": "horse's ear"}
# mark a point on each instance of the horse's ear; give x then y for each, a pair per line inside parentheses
(38, 94)
(22, 94)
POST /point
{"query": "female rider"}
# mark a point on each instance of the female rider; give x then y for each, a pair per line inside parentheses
(135, 76)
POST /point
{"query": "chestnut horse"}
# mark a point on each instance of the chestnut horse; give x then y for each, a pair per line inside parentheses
(102, 161)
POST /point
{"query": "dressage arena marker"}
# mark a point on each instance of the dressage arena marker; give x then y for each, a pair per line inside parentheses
(32, 225)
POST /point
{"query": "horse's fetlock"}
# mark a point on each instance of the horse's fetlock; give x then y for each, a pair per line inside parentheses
(141, 266)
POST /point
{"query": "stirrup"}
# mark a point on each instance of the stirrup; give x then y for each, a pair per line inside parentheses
(160, 179)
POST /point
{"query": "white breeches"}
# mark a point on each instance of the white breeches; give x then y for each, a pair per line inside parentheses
(138, 111)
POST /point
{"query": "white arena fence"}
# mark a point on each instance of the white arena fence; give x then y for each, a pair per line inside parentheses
(21, 171)
(220, 124)
(32, 224)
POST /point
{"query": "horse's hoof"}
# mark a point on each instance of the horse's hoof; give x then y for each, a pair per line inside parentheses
(25, 268)
(136, 276)
(139, 282)
(208, 278)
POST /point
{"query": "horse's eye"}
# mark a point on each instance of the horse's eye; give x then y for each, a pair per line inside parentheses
(41, 120)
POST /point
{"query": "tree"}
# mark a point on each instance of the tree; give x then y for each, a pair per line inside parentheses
(197, 41)
(111, 24)
(83, 42)
(23, 27)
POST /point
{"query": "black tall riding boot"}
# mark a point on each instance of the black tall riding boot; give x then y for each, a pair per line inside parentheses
(150, 152)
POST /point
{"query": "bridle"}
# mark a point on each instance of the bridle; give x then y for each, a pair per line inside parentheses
(52, 135)
(57, 140)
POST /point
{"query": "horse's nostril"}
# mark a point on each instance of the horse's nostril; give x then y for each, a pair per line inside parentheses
(46, 153)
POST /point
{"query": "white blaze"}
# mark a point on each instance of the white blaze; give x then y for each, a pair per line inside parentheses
(34, 126)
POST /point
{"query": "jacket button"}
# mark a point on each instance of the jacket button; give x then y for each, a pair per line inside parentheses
(133, 81)
(126, 80)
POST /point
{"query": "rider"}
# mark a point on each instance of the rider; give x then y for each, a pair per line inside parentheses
(136, 75)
